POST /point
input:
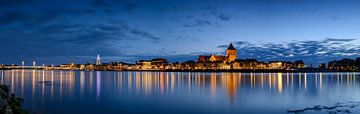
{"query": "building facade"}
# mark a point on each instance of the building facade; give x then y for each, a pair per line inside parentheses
(230, 56)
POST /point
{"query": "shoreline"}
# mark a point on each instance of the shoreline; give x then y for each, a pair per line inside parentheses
(314, 70)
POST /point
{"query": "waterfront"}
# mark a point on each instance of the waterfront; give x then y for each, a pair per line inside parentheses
(57, 91)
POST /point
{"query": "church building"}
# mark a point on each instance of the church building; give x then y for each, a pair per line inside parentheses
(229, 56)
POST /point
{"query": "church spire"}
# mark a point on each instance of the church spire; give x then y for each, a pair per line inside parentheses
(231, 53)
(231, 47)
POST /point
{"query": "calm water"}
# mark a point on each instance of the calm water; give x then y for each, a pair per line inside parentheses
(178, 92)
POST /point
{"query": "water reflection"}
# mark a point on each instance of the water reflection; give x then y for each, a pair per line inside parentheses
(74, 85)
(98, 84)
(145, 83)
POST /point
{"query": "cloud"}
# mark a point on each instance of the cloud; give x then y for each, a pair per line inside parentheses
(129, 6)
(100, 3)
(25, 19)
(59, 28)
(145, 34)
(111, 6)
(310, 51)
(63, 33)
(15, 2)
(112, 26)
(11, 17)
(338, 40)
(224, 17)
(199, 23)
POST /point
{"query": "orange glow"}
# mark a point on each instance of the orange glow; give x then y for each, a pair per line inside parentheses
(161, 83)
(137, 81)
(82, 82)
(270, 84)
(320, 81)
(213, 84)
(43, 85)
(22, 82)
(279, 77)
(52, 85)
(33, 82)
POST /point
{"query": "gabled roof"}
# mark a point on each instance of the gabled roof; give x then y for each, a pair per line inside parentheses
(216, 57)
(231, 47)
(203, 58)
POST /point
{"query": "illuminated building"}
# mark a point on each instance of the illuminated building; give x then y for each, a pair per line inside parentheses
(211, 62)
(188, 65)
(98, 60)
(248, 64)
(276, 65)
(230, 53)
(159, 63)
(143, 64)
(154, 64)
(261, 65)
(215, 58)
(203, 58)
(34, 64)
(280, 65)
(299, 64)
(70, 66)
(229, 56)
(345, 64)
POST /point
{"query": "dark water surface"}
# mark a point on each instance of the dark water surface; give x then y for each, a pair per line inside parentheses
(180, 92)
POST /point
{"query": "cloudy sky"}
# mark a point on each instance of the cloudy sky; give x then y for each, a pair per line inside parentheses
(60, 31)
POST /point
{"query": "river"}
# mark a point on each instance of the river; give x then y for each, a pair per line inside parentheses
(108, 92)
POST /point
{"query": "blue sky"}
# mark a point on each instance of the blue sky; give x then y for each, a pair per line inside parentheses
(54, 32)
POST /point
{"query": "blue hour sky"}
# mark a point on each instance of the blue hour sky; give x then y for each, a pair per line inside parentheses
(55, 32)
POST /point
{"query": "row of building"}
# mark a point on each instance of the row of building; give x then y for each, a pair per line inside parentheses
(207, 62)
(204, 62)
(162, 64)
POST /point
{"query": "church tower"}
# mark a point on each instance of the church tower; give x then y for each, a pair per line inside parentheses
(231, 53)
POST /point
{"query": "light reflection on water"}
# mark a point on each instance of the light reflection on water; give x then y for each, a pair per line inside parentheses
(182, 92)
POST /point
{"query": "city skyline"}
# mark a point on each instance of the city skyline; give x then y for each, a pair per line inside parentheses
(179, 56)
(204, 63)
(97, 61)
(58, 32)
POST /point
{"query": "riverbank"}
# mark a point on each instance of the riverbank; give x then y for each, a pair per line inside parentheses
(10, 104)
(304, 70)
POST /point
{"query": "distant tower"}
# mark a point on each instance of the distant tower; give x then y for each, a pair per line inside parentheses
(34, 63)
(231, 53)
(98, 60)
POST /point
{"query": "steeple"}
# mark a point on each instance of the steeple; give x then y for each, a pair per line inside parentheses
(231, 53)
(231, 47)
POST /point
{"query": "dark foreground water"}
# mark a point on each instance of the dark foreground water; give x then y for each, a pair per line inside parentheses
(102, 92)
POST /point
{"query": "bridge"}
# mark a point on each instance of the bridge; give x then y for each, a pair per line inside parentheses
(31, 67)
